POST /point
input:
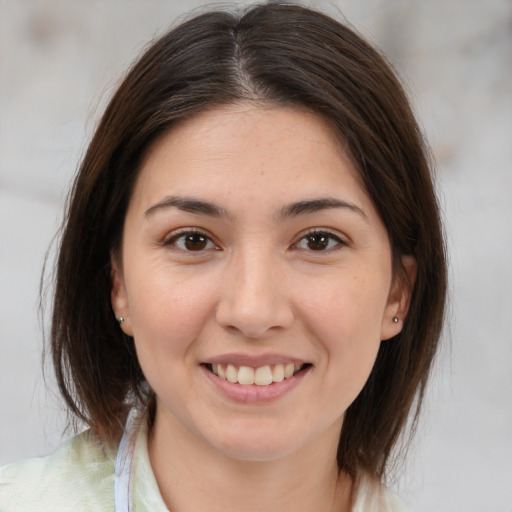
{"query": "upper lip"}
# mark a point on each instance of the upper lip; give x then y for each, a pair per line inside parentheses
(254, 361)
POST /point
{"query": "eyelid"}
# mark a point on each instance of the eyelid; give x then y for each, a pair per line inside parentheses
(173, 236)
(340, 239)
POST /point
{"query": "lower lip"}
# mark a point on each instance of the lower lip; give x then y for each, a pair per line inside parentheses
(254, 394)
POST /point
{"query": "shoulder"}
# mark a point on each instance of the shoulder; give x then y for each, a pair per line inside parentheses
(394, 503)
(78, 476)
(373, 495)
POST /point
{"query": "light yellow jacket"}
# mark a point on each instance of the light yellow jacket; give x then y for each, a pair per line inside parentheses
(79, 477)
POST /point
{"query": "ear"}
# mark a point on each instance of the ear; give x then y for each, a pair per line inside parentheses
(118, 296)
(399, 298)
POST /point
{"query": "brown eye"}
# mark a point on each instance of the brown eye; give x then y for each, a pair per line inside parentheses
(317, 242)
(191, 242)
(320, 241)
(195, 242)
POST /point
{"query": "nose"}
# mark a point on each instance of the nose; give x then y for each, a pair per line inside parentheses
(254, 300)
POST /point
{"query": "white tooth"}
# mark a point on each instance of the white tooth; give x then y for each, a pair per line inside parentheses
(296, 367)
(245, 376)
(263, 376)
(278, 373)
(215, 369)
(231, 373)
(288, 370)
(222, 373)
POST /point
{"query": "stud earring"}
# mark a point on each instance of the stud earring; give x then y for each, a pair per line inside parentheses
(120, 320)
(395, 319)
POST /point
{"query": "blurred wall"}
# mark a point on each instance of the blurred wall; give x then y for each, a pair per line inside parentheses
(60, 61)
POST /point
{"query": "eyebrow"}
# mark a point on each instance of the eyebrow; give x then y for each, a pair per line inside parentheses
(201, 207)
(318, 205)
(188, 205)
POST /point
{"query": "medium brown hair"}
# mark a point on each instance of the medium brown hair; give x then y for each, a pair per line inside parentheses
(281, 54)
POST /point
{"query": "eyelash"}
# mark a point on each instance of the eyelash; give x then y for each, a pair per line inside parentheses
(174, 239)
(325, 236)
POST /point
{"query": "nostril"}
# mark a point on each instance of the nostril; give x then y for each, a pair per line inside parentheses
(253, 305)
(254, 325)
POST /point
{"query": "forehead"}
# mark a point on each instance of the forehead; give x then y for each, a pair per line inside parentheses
(248, 149)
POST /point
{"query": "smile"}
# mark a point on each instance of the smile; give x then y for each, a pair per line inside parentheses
(261, 376)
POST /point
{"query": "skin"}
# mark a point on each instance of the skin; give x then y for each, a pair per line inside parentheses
(255, 283)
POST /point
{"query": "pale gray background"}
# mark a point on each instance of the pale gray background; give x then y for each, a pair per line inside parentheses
(60, 61)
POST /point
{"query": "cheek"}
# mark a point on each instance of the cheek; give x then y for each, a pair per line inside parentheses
(167, 315)
(345, 318)
(351, 304)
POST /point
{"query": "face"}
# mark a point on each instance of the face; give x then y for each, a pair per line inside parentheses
(256, 280)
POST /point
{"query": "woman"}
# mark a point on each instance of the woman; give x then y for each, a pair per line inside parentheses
(251, 279)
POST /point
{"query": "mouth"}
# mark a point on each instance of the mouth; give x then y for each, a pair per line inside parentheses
(261, 376)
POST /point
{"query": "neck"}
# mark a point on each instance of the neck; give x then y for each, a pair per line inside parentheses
(191, 474)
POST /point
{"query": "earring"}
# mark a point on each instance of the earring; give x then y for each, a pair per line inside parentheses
(120, 320)
(395, 319)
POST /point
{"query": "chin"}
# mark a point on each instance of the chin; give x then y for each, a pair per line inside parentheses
(257, 443)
